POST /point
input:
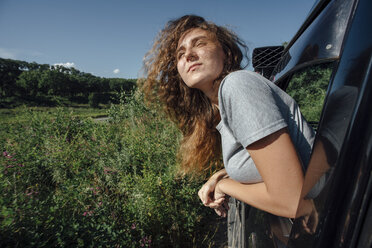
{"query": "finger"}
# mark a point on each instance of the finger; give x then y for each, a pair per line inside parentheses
(224, 214)
(208, 194)
(305, 226)
(200, 194)
(218, 212)
(315, 222)
(222, 211)
(219, 201)
(216, 204)
(202, 197)
(226, 205)
(205, 195)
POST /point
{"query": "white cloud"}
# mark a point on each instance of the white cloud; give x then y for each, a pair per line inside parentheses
(116, 71)
(67, 64)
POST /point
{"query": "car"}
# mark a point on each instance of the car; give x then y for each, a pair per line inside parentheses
(326, 67)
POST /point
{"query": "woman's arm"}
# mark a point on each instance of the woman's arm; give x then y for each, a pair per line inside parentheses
(280, 168)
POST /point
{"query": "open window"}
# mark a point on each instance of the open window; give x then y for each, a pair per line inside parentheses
(308, 87)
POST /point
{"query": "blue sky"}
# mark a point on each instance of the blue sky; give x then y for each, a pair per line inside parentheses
(109, 38)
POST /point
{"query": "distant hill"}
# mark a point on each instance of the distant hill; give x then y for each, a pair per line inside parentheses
(50, 85)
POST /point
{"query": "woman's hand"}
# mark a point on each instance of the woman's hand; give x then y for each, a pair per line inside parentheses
(206, 192)
(308, 215)
(220, 207)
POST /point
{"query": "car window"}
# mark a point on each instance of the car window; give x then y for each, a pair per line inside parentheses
(308, 88)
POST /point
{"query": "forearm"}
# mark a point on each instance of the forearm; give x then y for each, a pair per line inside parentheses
(258, 196)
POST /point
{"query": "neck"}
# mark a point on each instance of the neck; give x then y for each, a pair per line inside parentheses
(212, 93)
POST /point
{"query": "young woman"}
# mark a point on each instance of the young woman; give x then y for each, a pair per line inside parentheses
(194, 69)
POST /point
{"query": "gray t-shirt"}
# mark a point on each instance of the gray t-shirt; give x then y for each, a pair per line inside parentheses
(252, 108)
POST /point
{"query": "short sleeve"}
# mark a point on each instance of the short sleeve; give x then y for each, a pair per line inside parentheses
(248, 106)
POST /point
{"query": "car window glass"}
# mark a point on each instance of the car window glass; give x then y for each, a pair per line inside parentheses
(308, 87)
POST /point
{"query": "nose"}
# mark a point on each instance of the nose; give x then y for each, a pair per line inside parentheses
(191, 55)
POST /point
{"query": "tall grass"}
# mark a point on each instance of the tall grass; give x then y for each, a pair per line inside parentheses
(72, 182)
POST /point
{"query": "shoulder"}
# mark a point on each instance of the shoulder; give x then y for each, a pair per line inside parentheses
(241, 74)
(241, 81)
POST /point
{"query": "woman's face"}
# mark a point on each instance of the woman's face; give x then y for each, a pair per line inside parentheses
(200, 59)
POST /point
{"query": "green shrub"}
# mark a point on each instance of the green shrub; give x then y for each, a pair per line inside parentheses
(93, 100)
(67, 181)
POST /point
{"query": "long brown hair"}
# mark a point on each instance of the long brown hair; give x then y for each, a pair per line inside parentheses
(189, 108)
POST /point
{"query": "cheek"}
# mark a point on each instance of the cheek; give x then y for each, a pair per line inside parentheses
(180, 70)
(180, 66)
(222, 59)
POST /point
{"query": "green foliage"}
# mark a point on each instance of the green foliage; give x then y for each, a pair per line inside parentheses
(93, 100)
(68, 181)
(35, 84)
(309, 87)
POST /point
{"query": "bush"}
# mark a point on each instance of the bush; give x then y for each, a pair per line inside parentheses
(67, 181)
(93, 100)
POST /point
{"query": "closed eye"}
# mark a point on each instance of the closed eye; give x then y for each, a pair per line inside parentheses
(200, 43)
(180, 55)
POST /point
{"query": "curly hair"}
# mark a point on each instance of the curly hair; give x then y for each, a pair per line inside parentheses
(189, 108)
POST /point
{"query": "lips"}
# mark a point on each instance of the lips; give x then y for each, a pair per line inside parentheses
(193, 66)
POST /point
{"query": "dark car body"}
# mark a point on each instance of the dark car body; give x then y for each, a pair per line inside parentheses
(337, 35)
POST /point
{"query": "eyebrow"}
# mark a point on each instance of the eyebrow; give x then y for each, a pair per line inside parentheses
(192, 41)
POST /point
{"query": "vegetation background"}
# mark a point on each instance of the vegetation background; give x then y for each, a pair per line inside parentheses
(69, 181)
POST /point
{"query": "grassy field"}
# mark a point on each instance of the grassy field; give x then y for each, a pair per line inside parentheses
(69, 181)
(12, 115)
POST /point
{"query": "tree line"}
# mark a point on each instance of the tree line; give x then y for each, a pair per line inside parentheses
(43, 84)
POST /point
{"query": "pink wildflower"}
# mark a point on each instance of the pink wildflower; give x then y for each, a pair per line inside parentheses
(88, 213)
(93, 191)
(31, 192)
(6, 154)
(145, 241)
(133, 226)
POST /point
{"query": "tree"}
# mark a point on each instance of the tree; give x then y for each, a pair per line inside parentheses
(93, 100)
(28, 83)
